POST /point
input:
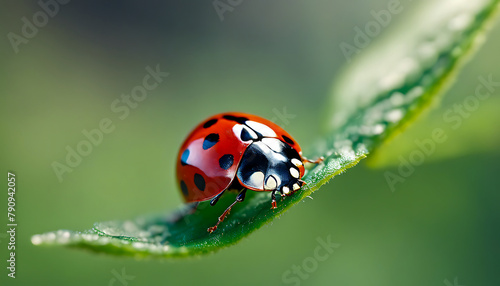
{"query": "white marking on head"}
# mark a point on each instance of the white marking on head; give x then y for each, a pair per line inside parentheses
(271, 183)
(273, 143)
(265, 130)
(286, 190)
(296, 186)
(256, 180)
(296, 162)
(266, 150)
(294, 172)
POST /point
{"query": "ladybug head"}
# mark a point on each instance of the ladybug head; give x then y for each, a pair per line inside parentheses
(270, 164)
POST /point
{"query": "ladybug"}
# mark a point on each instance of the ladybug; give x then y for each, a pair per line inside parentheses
(238, 151)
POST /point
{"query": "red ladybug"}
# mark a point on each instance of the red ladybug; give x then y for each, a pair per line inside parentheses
(238, 151)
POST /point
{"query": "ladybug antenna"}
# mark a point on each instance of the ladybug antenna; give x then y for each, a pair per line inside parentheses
(302, 183)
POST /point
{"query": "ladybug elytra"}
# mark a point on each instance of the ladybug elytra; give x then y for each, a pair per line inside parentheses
(242, 152)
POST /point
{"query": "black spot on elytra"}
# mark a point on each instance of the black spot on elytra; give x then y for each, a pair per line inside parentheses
(184, 188)
(226, 161)
(184, 157)
(199, 182)
(239, 119)
(288, 140)
(245, 135)
(210, 140)
(210, 123)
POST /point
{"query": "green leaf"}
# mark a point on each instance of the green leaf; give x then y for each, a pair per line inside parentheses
(470, 139)
(377, 95)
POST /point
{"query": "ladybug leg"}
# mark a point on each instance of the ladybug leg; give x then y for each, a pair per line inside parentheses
(319, 160)
(239, 198)
(273, 201)
(216, 198)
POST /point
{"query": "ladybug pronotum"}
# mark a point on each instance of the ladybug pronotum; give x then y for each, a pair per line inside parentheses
(238, 151)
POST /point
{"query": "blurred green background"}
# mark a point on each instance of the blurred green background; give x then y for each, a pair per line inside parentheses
(441, 224)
